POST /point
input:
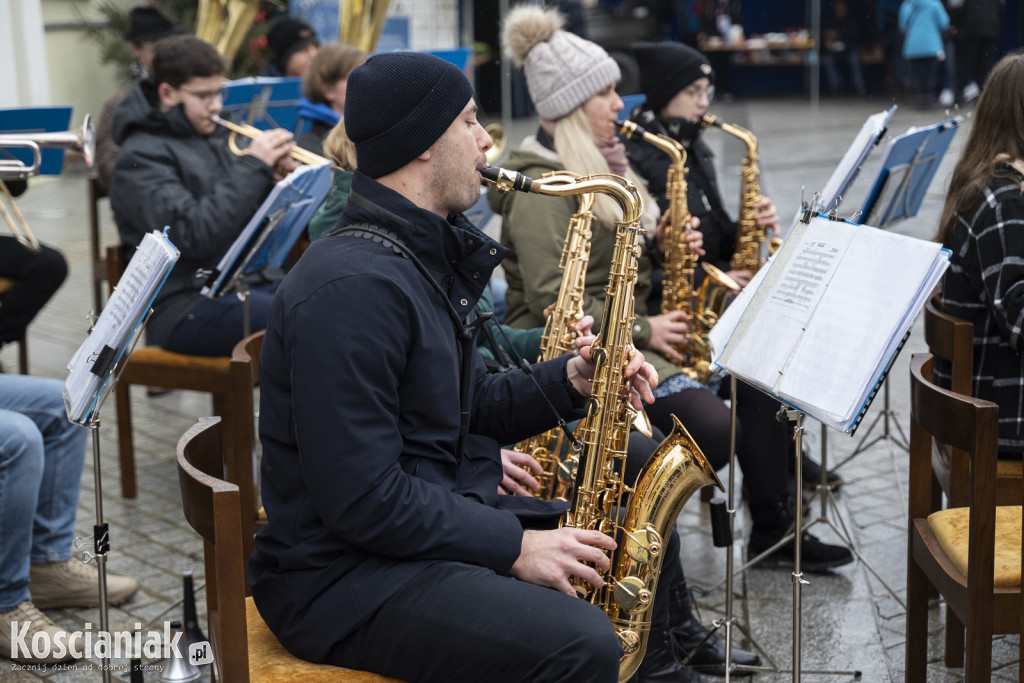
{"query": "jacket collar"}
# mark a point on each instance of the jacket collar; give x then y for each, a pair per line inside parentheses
(453, 249)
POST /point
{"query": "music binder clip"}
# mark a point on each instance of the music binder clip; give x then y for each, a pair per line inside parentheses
(103, 362)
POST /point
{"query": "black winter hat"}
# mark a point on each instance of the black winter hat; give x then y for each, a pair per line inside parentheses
(287, 36)
(398, 105)
(147, 24)
(666, 68)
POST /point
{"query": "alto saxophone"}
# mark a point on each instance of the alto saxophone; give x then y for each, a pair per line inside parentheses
(681, 261)
(546, 449)
(638, 517)
(750, 237)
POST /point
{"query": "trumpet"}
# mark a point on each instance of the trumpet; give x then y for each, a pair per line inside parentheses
(303, 156)
(82, 140)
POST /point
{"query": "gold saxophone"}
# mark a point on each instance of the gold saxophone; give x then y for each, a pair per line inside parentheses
(546, 448)
(639, 518)
(750, 237)
(681, 261)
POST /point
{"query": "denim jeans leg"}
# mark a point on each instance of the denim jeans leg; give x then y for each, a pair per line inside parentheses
(41, 400)
(21, 470)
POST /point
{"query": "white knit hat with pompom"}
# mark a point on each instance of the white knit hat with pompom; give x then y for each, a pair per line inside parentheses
(562, 70)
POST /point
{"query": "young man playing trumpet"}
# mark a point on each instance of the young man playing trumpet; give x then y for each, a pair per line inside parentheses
(175, 169)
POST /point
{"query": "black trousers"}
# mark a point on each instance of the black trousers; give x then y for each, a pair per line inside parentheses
(36, 278)
(460, 622)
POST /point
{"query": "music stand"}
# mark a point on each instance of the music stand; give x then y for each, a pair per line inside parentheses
(270, 234)
(908, 166)
(795, 318)
(97, 365)
(264, 102)
(30, 120)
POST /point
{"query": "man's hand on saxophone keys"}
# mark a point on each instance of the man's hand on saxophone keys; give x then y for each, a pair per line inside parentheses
(640, 375)
(668, 330)
(550, 558)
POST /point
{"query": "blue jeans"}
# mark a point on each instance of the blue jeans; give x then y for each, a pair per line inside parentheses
(41, 459)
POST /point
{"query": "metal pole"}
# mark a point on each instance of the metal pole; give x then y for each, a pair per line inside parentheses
(101, 539)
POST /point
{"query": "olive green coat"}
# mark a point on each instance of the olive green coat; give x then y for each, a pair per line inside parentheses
(533, 228)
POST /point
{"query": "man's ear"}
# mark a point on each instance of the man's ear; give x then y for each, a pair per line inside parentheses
(168, 95)
(425, 156)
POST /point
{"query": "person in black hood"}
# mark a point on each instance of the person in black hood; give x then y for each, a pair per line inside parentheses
(175, 170)
(679, 84)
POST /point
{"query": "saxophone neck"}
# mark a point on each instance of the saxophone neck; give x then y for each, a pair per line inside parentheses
(567, 183)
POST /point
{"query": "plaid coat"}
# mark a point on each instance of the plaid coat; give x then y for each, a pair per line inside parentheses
(985, 285)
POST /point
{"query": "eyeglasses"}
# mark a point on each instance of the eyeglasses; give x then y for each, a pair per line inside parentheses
(207, 96)
(695, 92)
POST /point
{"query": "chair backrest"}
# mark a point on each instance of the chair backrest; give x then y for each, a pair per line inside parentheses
(211, 507)
(970, 425)
(240, 461)
(952, 339)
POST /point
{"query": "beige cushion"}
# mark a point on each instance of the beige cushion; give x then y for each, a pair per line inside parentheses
(269, 661)
(950, 528)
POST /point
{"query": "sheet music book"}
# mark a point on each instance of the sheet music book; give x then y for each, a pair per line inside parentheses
(821, 322)
(277, 224)
(908, 166)
(869, 135)
(90, 369)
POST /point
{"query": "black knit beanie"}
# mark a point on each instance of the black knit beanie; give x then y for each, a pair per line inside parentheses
(287, 36)
(398, 104)
(666, 68)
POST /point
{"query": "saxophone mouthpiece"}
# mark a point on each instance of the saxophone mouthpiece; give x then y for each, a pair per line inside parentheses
(505, 180)
(631, 130)
(708, 120)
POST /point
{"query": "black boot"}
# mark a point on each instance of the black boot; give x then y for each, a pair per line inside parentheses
(660, 664)
(694, 644)
(773, 521)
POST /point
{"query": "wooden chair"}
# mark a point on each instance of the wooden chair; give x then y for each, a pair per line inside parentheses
(244, 648)
(5, 285)
(240, 463)
(152, 366)
(952, 339)
(952, 550)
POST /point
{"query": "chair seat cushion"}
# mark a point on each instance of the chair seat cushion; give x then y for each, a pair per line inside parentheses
(158, 355)
(269, 661)
(951, 526)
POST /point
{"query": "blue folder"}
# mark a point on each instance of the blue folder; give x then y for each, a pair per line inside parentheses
(908, 166)
(264, 102)
(36, 120)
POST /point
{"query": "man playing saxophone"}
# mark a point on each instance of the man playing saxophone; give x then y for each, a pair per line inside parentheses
(175, 169)
(388, 548)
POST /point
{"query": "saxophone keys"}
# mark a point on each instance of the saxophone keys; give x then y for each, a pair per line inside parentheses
(632, 594)
(643, 545)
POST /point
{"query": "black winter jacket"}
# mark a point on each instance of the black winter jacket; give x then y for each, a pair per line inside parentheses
(167, 175)
(702, 195)
(359, 419)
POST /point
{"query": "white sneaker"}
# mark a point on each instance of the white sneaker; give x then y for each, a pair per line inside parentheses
(75, 584)
(946, 98)
(38, 623)
(971, 92)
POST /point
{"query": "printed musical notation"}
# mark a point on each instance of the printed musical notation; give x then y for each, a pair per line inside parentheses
(90, 368)
(820, 323)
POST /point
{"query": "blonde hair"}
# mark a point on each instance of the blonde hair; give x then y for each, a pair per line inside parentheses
(339, 148)
(574, 144)
(333, 63)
